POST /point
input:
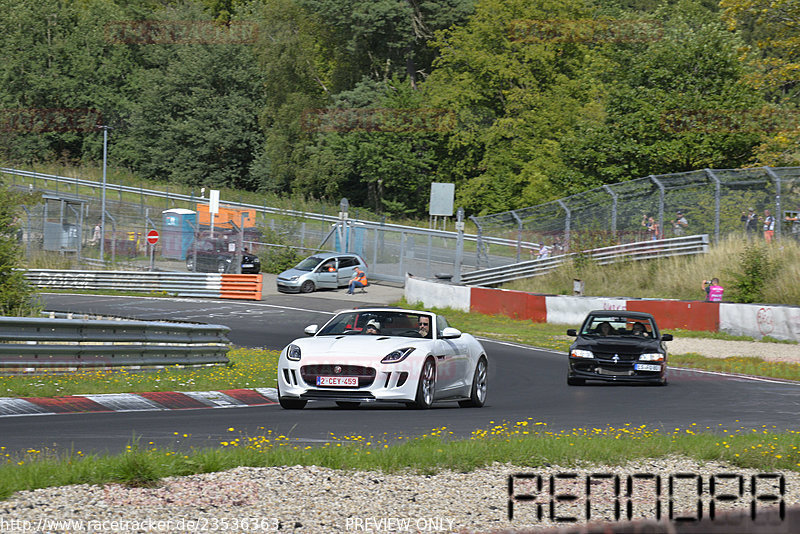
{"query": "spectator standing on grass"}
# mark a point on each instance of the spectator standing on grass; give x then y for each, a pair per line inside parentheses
(96, 234)
(795, 224)
(713, 290)
(544, 252)
(680, 224)
(359, 280)
(750, 220)
(651, 225)
(769, 226)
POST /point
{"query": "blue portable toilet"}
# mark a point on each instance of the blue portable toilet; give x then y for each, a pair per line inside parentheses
(178, 233)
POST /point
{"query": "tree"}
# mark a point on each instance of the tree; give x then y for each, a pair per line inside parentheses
(514, 98)
(673, 104)
(17, 296)
(772, 32)
(56, 57)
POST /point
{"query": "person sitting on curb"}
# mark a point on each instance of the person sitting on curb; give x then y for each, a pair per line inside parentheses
(713, 290)
(359, 280)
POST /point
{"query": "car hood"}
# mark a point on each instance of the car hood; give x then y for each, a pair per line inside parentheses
(360, 347)
(288, 273)
(617, 345)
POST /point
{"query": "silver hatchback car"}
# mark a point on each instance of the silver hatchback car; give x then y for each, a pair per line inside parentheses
(325, 270)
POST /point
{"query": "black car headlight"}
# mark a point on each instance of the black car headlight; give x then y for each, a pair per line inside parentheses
(293, 353)
(397, 355)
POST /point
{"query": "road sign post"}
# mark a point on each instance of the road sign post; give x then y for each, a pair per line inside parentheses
(152, 239)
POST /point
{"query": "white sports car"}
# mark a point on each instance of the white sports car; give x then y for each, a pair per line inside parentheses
(383, 354)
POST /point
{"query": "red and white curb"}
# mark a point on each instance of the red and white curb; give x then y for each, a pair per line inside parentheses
(137, 402)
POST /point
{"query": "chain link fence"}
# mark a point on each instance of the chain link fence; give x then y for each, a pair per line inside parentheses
(712, 201)
(717, 202)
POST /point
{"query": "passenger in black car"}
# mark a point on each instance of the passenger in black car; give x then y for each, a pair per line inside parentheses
(638, 329)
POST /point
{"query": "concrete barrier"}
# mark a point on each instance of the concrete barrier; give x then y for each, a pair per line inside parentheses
(754, 320)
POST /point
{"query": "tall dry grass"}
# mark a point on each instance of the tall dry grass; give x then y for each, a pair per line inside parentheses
(677, 277)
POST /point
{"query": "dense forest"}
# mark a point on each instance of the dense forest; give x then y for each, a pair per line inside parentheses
(517, 102)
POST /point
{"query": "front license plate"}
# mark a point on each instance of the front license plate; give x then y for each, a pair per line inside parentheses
(340, 381)
(246, 265)
(647, 367)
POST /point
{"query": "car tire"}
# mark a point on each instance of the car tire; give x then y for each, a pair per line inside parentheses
(291, 404)
(222, 267)
(349, 405)
(477, 395)
(426, 385)
(571, 381)
(307, 287)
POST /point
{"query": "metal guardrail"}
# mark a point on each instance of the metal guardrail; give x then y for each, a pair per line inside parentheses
(644, 250)
(179, 284)
(47, 343)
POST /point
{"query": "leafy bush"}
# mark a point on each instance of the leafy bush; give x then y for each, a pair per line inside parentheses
(755, 269)
(17, 297)
(278, 259)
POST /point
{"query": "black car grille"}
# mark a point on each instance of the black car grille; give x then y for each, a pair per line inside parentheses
(366, 375)
(623, 356)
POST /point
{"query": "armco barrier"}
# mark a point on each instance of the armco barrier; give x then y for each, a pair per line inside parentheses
(754, 320)
(180, 284)
(27, 342)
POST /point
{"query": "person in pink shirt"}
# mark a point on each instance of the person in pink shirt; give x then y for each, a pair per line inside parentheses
(713, 290)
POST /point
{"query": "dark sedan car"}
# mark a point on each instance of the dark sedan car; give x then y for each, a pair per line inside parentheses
(217, 256)
(618, 346)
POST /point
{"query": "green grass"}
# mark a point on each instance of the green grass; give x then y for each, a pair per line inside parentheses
(677, 277)
(248, 368)
(738, 365)
(522, 443)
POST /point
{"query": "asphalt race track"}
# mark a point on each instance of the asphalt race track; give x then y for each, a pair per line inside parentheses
(524, 384)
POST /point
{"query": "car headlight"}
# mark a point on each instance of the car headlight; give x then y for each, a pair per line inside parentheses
(293, 278)
(397, 355)
(256, 260)
(652, 357)
(579, 353)
(293, 353)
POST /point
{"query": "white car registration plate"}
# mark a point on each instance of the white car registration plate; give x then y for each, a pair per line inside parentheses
(647, 367)
(246, 265)
(341, 381)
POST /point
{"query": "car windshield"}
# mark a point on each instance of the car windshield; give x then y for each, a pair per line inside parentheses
(308, 264)
(385, 323)
(610, 325)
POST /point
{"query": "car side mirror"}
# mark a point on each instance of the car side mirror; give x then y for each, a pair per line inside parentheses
(666, 337)
(572, 332)
(311, 329)
(451, 333)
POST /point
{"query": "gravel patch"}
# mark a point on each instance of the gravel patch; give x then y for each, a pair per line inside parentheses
(717, 348)
(322, 500)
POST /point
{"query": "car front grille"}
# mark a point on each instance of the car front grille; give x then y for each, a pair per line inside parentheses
(319, 394)
(623, 356)
(366, 375)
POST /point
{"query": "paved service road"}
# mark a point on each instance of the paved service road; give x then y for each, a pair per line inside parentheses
(524, 383)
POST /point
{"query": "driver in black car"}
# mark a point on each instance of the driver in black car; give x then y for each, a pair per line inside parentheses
(604, 329)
